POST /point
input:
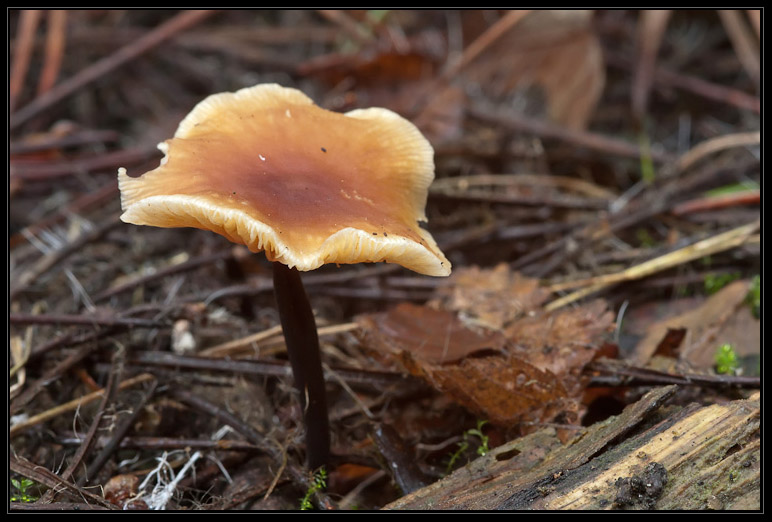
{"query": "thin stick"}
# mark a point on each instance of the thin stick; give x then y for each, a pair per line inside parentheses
(746, 197)
(25, 40)
(709, 246)
(55, 40)
(545, 129)
(485, 40)
(745, 45)
(83, 320)
(428, 96)
(231, 347)
(72, 405)
(710, 146)
(108, 64)
(651, 28)
(190, 264)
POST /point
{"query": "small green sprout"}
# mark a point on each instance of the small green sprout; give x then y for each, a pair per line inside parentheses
(482, 449)
(644, 238)
(648, 174)
(22, 486)
(320, 482)
(726, 359)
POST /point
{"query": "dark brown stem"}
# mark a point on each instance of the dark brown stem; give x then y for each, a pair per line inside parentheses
(297, 322)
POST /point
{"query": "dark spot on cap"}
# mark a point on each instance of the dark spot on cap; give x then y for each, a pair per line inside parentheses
(324, 150)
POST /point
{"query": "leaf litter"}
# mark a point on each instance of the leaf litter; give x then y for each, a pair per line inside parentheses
(529, 113)
(487, 343)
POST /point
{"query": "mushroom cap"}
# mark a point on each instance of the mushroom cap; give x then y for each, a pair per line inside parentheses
(268, 169)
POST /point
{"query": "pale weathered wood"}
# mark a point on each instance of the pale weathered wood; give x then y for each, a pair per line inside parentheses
(520, 469)
(696, 457)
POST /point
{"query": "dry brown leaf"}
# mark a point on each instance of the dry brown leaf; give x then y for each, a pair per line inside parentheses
(425, 334)
(496, 353)
(562, 342)
(703, 326)
(556, 51)
(503, 389)
(490, 298)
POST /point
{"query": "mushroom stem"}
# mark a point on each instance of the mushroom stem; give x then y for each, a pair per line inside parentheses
(299, 327)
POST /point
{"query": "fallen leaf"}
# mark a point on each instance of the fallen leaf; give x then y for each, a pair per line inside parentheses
(503, 389)
(703, 325)
(562, 342)
(490, 298)
(431, 336)
(493, 349)
(555, 51)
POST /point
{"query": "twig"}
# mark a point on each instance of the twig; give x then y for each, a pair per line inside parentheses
(706, 89)
(56, 169)
(463, 183)
(118, 434)
(88, 320)
(57, 506)
(713, 145)
(651, 28)
(744, 44)
(237, 345)
(428, 96)
(352, 495)
(482, 42)
(745, 197)
(339, 276)
(544, 129)
(190, 264)
(72, 405)
(48, 261)
(618, 373)
(122, 56)
(168, 443)
(55, 141)
(43, 476)
(531, 200)
(261, 368)
(664, 77)
(709, 246)
(25, 40)
(55, 39)
(271, 334)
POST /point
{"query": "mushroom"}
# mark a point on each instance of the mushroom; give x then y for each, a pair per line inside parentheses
(268, 169)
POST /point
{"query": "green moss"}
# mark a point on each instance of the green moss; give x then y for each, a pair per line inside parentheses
(726, 359)
(320, 482)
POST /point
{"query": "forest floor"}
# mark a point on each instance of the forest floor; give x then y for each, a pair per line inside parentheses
(597, 345)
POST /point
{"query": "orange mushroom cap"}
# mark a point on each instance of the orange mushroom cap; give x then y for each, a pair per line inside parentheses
(268, 169)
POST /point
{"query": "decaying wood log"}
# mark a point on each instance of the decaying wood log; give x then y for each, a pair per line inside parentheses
(689, 458)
